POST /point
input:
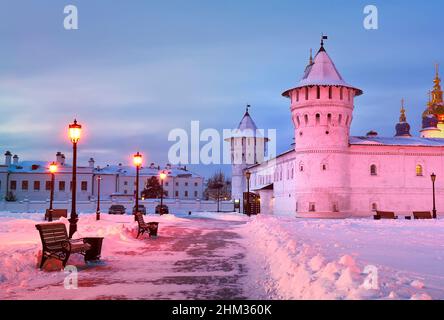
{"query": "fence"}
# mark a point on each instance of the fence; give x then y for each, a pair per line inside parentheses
(175, 206)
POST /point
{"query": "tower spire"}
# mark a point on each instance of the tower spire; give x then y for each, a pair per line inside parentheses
(402, 117)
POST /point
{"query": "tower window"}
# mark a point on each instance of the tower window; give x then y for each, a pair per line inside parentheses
(349, 95)
(341, 93)
(298, 120)
(306, 93)
(318, 92)
(373, 170)
(374, 206)
(297, 95)
(329, 118)
(306, 119)
(318, 118)
(330, 92)
(340, 119)
(418, 170)
(301, 167)
(312, 207)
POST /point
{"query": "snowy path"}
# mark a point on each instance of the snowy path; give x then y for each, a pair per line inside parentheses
(196, 258)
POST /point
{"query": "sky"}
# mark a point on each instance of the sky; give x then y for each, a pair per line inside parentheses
(135, 70)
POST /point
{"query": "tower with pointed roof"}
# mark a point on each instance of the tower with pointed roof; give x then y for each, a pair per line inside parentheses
(247, 147)
(322, 111)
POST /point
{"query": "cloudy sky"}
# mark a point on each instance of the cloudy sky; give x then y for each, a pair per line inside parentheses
(137, 69)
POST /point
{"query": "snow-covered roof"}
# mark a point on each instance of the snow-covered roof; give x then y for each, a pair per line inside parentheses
(397, 141)
(36, 167)
(322, 72)
(130, 171)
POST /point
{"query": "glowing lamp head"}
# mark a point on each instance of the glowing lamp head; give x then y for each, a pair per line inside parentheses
(137, 158)
(248, 175)
(162, 175)
(433, 176)
(75, 130)
(53, 167)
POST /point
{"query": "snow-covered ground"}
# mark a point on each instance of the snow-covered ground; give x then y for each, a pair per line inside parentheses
(348, 259)
(230, 256)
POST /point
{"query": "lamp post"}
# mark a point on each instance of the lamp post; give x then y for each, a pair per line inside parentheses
(52, 169)
(433, 176)
(99, 178)
(162, 176)
(75, 130)
(138, 163)
(248, 175)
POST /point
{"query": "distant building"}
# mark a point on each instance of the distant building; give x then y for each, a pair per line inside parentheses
(30, 180)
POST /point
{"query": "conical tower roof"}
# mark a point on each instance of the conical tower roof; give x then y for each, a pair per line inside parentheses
(322, 72)
(247, 122)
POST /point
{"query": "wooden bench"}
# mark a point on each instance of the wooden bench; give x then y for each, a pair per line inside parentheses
(56, 244)
(422, 215)
(56, 214)
(384, 215)
(150, 227)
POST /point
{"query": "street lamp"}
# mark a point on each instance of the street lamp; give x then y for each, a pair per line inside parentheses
(162, 176)
(248, 176)
(137, 158)
(53, 170)
(99, 178)
(433, 176)
(74, 131)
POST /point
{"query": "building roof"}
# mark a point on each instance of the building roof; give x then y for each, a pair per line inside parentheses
(322, 72)
(398, 141)
(130, 171)
(247, 123)
(38, 167)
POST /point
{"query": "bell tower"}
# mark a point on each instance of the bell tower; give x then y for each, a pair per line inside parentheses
(322, 106)
(247, 147)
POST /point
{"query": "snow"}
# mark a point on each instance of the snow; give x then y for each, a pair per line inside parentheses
(332, 259)
(228, 255)
(398, 141)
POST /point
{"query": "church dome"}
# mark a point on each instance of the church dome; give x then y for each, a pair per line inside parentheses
(429, 121)
(402, 130)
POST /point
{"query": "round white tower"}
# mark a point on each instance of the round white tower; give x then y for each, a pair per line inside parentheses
(247, 146)
(322, 111)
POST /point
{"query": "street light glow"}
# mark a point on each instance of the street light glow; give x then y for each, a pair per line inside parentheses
(53, 167)
(137, 159)
(75, 131)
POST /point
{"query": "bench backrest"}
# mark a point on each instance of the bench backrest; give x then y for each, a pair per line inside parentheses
(139, 218)
(52, 235)
(422, 214)
(386, 214)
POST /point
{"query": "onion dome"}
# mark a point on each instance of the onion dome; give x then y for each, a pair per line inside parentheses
(429, 122)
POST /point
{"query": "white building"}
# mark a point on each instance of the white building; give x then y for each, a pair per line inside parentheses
(332, 174)
(30, 180)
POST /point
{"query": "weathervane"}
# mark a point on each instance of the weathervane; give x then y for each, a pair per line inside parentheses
(323, 37)
(248, 107)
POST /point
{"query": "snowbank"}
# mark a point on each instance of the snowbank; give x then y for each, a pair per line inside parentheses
(347, 259)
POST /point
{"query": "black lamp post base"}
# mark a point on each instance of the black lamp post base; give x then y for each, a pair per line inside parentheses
(72, 226)
(97, 215)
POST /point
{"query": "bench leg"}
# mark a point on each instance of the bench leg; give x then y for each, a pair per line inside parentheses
(43, 261)
(65, 261)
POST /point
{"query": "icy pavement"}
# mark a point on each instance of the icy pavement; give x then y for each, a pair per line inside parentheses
(230, 256)
(193, 258)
